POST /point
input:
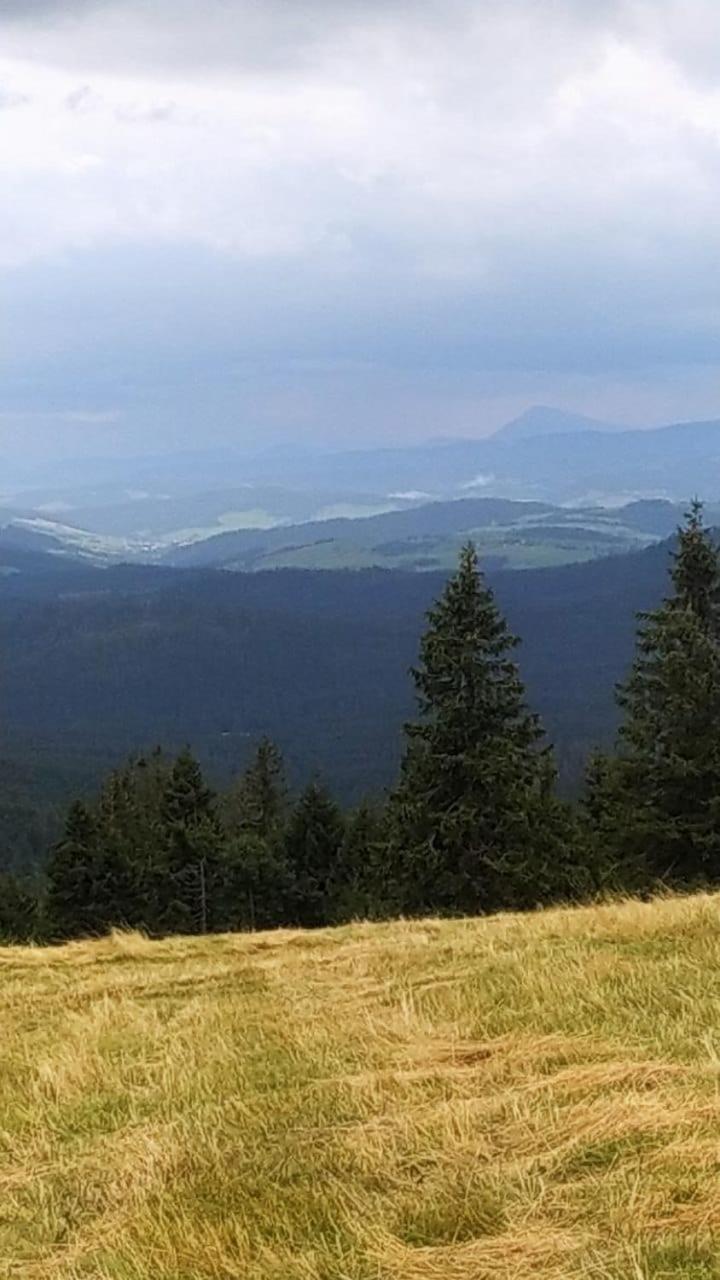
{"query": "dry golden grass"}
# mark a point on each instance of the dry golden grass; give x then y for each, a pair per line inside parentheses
(520, 1098)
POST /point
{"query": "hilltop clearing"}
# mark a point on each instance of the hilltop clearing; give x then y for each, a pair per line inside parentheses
(520, 1096)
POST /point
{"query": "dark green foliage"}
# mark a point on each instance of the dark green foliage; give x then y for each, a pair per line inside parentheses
(313, 840)
(93, 879)
(668, 771)
(188, 875)
(359, 887)
(610, 868)
(657, 805)
(257, 803)
(118, 862)
(553, 865)
(474, 825)
(257, 884)
(18, 909)
(149, 854)
(130, 840)
(70, 897)
(695, 572)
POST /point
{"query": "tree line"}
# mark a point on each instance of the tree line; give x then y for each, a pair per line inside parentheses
(473, 825)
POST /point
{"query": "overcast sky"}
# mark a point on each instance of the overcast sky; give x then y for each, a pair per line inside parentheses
(363, 220)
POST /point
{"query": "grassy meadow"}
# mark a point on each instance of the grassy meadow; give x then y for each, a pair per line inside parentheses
(519, 1097)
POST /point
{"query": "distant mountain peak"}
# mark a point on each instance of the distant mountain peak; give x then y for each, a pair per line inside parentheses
(544, 420)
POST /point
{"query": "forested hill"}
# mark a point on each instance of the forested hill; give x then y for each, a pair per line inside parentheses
(97, 663)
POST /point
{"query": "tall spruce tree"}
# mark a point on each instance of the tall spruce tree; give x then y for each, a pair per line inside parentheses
(70, 906)
(657, 803)
(357, 887)
(312, 844)
(188, 876)
(257, 803)
(131, 828)
(120, 860)
(695, 572)
(474, 825)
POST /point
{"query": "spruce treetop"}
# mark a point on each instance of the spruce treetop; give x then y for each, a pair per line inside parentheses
(662, 809)
(467, 681)
(258, 801)
(696, 571)
(474, 798)
(187, 798)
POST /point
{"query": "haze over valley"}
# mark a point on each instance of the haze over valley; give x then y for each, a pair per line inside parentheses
(570, 480)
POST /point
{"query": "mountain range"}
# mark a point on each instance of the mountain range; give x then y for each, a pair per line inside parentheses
(543, 420)
(148, 508)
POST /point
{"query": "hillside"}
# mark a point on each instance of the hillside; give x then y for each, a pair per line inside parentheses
(100, 663)
(513, 535)
(531, 1098)
(394, 506)
(399, 535)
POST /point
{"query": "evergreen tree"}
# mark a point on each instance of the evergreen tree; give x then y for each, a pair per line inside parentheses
(18, 910)
(188, 876)
(70, 893)
(610, 868)
(257, 884)
(312, 845)
(668, 770)
(474, 825)
(695, 572)
(119, 864)
(257, 804)
(358, 885)
(131, 835)
(659, 804)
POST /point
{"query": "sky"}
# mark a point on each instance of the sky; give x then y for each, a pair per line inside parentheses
(353, 221)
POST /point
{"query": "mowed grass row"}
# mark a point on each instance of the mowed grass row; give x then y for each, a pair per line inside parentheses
(523, 1096)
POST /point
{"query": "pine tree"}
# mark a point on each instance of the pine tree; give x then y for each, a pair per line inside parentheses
(312, 846)
(357, 887)
(661, 796)
(70, 909)
(257, 804)
(474, 824)
(188, 876)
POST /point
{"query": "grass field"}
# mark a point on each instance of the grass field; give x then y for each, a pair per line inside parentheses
(525, 1097)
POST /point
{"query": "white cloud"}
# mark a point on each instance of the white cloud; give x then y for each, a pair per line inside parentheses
(446, 140)
(389, 184)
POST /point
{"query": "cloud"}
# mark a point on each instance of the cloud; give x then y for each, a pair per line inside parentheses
(9, 100)
(180, 35)
(443, 130)
(399, 184)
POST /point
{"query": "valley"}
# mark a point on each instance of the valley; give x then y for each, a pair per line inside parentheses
(99, 663)
(158, 601)
(540, 492)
